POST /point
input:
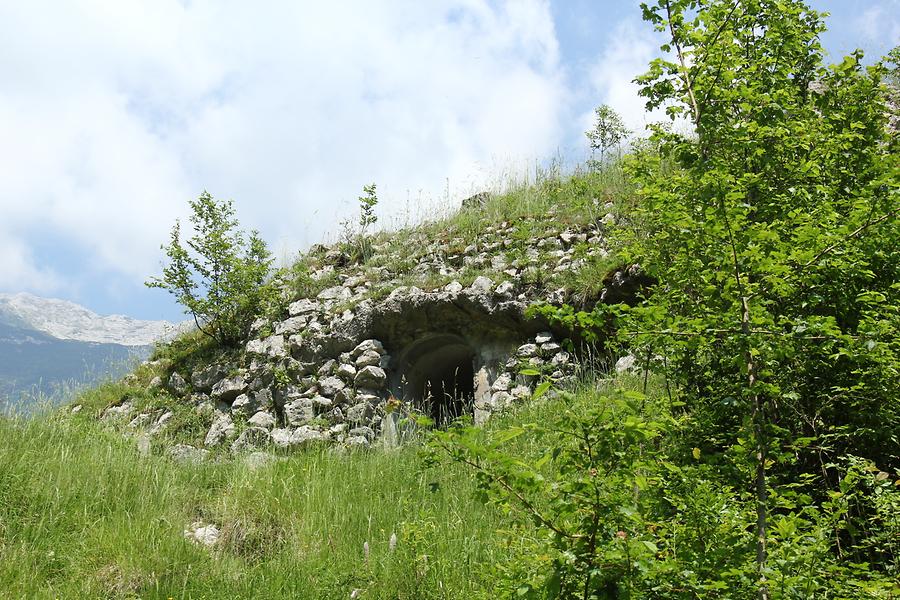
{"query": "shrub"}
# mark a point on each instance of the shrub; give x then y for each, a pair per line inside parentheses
(220, 277)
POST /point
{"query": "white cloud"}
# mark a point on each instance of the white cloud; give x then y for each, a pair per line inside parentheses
(880, 23)
(116, 112)
(626, 55)
(18, 271)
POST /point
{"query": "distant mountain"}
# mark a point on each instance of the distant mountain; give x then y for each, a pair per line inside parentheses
(49, 347)
(68, 321)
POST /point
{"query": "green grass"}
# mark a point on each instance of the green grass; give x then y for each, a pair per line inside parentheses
(82, 514)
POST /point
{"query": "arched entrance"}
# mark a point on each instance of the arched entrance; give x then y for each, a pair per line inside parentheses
(436, 374)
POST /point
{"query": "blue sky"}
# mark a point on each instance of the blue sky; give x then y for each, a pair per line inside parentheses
(113, 113)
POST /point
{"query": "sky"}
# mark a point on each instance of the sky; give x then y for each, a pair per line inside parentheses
(114, 113)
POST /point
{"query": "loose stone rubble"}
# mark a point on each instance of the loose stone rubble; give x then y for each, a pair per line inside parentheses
(344, 366)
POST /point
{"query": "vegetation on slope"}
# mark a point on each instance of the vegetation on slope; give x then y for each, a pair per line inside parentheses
(759, 460)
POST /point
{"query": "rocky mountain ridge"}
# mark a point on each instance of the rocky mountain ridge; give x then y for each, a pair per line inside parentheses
(66, 320)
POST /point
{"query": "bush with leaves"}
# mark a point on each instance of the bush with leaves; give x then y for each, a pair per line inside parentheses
(772, 230)
(609, 132)
(220, 276)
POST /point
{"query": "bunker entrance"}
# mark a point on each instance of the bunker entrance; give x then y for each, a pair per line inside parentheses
(439, 377)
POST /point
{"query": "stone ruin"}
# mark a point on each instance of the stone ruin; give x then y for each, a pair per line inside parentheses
(444, 354)
(347, 365)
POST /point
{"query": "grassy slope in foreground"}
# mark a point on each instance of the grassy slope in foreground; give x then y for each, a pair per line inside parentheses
(83, 514)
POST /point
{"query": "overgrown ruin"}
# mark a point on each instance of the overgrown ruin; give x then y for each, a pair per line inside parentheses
(365, 346)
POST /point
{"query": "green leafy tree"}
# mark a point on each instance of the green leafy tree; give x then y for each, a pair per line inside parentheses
(772, 230)
(219, 274)
(609, 131)
(367, 218)
(774, 238)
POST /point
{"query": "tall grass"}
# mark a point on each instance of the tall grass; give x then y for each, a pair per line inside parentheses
(82, 514)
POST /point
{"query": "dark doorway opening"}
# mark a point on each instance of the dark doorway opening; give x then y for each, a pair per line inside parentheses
(439, 377)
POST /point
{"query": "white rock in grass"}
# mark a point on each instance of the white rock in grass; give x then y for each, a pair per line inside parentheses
(626, 364)
(203, 533)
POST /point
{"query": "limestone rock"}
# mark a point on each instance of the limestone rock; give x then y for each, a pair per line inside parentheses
(302, 307)
(272, 347)
(371, 378)
(346, 372)
(291, 326)
(626, 364)
(482, 284)
(360, 413)
(527, 351)
(338, 293)
(299, 412)
(263, 419)
(118, 411)
(244, 405)
(177, 384)
(330, 386)
(367, 346)
(229, 388)
(184, 453)
(203, 534)
(521, 392)
(221, 430)
(454, 287)
(203, 380)
(292, 438)
(369, 358)
(543, 338)
(252, 438)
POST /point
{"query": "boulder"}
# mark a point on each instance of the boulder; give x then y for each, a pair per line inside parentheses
(454, 287)
(527, 351)
(221, 430)
(299, 412)
(336, 293)
(244, 405)
(228, 389)
(482, 284)
(293, 438)
(118, 411)
(178, 385)
(369, 358)
(252, 438)
(184, 453)
(543, 338)
(360, 413)
(329, 386)
(203, 534)
(263, 419)
(346, 372)
(627, 364)
(302, 307)
(366, 346)
(291, 326)
(203, 380)
(370, 378)
(271, 347)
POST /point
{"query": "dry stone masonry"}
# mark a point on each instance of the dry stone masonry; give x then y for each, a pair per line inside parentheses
(400, 333)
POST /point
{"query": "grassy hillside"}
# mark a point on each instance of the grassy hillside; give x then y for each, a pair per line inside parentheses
(86, 510)
(645, 480)
(84, 514)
